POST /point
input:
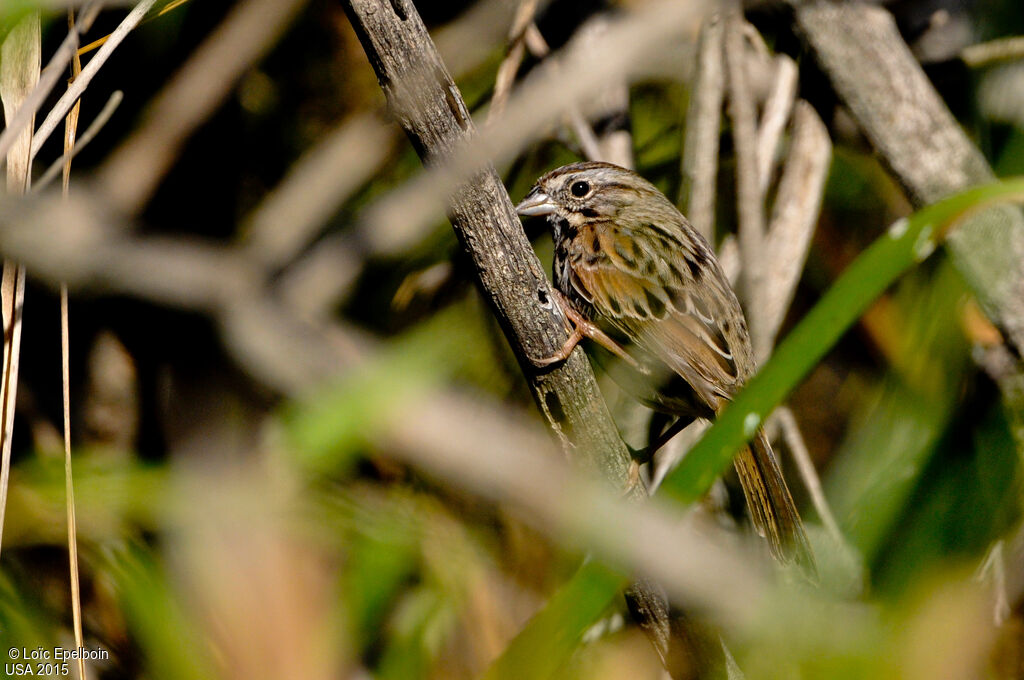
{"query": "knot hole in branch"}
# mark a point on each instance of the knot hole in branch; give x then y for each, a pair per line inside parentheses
(399, 9)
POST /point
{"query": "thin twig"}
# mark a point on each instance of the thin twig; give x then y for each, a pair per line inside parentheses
(76, 89)
(83, 140)
(505, 77)
(750, 207)
(69, 485)
(577, 123)
(993, 570)
(703, 129)
(773, 120)
(1013, 559)
(96, 44)
(1001, 49)
(47, 80)
(513, 58)
(70, 130)
(794, 215)
(797, 447)
(610, 103)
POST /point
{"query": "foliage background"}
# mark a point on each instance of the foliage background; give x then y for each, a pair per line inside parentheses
(226, 531)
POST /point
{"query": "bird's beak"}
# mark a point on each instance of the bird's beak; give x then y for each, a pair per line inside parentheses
(536, 203)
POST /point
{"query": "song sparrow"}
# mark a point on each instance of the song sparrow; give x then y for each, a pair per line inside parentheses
(633, 273)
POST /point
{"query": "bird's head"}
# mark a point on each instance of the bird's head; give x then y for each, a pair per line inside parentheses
(590, 192)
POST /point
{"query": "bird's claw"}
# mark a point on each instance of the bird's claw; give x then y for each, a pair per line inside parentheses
(638, 457)
(584, 328)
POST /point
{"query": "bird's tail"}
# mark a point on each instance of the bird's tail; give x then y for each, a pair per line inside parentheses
(771, 506)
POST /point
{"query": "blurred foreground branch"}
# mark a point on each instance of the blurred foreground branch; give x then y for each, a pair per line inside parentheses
(478, 446)
(132, 173)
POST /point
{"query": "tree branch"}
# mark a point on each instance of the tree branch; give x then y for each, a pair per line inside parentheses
(703, 128)
(430, 109)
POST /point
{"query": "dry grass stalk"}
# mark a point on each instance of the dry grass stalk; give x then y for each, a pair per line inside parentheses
(19, 81)
(750, 204)
(75, 90)
(768, 261)
(24, 116)
(70, 131)
(82, 141)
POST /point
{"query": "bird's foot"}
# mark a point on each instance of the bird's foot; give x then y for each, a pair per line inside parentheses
(583, 327)
(639, 457)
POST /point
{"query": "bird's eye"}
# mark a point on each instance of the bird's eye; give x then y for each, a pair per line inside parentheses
(580, 189)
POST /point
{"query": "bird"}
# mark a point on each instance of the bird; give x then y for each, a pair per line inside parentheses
(633, 274)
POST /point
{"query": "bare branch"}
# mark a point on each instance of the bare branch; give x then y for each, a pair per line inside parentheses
(75, 90)
(703, 128)
(794, 215)
(773, 120)
(888, 93)
(750, 204)
(634, 43)
(431, 110)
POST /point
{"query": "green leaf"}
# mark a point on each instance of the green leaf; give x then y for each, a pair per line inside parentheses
(327, 429)
(874, 474)
(549, 639)
(168, 639)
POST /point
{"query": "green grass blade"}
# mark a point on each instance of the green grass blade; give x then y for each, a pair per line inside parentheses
(551, 636)
(168, 639)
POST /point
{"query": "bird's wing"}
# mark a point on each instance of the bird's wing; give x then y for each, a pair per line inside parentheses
(664, 312)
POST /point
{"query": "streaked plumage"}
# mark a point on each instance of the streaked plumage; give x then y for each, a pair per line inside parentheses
(629, 261)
